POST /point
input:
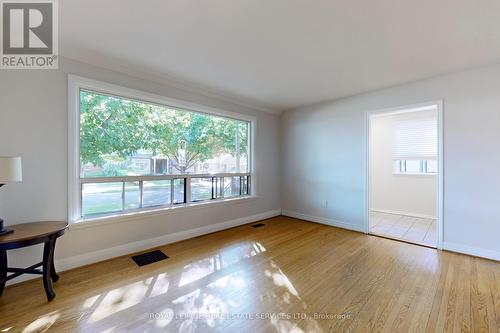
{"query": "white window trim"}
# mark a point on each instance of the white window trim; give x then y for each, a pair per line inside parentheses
(414, 174)
(157, 211)
(404, 173)
(75, 84)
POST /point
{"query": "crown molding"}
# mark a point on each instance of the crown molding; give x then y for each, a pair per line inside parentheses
(115, 65)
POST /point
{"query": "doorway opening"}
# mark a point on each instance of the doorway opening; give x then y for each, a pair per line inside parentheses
(405, 174)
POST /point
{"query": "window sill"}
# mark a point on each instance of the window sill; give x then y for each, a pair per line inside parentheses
(109, 219)
(414, 174)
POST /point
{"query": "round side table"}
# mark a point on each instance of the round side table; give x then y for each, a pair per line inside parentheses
(28, 234)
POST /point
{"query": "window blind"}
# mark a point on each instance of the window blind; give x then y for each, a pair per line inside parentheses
(415, 139)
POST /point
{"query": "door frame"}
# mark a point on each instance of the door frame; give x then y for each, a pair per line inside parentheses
(439, 176)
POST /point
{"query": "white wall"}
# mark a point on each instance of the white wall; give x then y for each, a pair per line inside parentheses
(330, 141)
(413, 195)
(33, 124)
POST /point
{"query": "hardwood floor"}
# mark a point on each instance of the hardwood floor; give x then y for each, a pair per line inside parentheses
(288, 276)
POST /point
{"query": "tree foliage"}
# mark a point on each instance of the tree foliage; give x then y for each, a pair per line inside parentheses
(120, 127)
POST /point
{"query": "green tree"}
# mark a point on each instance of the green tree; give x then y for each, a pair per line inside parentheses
(111, 125)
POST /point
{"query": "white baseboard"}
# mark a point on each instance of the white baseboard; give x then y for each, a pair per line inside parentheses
(323, 220)
(471, 250)
(96, 256)
(448, 246)
(397, 212)
(117, 251)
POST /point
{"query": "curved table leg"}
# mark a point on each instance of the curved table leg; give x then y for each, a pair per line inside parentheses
(48, 266)
(3, 269)
(53, 274)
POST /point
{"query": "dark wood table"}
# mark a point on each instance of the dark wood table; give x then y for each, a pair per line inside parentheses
(30, 234)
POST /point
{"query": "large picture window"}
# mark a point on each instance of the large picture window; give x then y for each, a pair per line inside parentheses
(137, 154)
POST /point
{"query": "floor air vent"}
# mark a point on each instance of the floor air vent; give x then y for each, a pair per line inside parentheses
(149, 257)
(258, 225)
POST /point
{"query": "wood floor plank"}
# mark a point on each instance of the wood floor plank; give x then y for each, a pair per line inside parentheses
(423, 311)
(289, 276)
(367, 311)
(389, 315)
(479, 302)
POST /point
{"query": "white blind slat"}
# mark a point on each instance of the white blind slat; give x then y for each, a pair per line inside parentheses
(415, 139)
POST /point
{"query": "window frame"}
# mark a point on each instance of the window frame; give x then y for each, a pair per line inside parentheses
(402, 168)
(77, 83)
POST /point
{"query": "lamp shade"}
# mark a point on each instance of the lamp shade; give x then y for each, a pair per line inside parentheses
(10, 169)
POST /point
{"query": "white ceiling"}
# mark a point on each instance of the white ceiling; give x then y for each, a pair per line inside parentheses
(280, 54)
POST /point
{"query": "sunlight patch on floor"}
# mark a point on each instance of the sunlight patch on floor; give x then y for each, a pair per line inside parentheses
(198, 270)
(119, 299)
(281, 280)
(42, 324)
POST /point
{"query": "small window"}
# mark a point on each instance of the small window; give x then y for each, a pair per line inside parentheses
(432, 166)
(415, 167)
(202, 189)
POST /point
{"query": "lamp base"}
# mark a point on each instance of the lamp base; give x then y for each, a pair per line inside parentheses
(4, 231)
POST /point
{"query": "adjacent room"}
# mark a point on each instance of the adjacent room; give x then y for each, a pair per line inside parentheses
(404, 175)
(249, 166)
